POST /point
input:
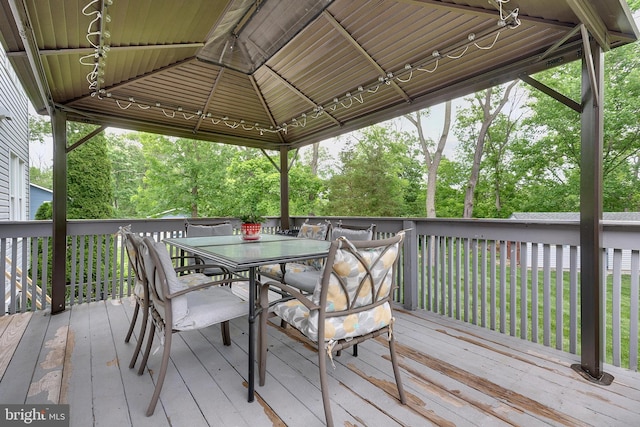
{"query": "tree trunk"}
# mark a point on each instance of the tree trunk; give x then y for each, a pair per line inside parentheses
(314, 158)
(432, 171)
(432, 161)
(487, 118)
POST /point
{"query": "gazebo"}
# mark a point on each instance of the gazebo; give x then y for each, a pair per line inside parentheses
(279, 75)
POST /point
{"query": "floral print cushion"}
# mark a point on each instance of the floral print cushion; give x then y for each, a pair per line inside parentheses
(274, 271)
(307, 231)
(354, 282)
(193, 279)
(317, 232)
(314, 231)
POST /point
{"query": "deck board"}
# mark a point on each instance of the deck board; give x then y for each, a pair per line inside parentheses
(11, 331)
(14, 387)
(454, 374)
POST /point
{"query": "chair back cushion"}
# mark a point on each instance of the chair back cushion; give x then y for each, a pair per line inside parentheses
(162, 279)
(351, 234)
(353, 293)
(225, 229)
(314, 231)
(132, 244)
(318, 231)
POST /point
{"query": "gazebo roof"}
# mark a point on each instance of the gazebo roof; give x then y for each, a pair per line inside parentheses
(291, 72)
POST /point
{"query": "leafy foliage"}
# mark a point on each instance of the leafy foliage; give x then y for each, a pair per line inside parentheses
(88, 176)
(371, 181)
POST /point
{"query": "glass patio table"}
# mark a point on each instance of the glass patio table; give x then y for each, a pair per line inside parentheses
(240, 255)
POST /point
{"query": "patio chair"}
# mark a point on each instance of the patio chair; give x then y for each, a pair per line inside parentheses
(189, 276)
(176, 307)
(306, 280)
(351, 303)
(204, 230)
(319, 231)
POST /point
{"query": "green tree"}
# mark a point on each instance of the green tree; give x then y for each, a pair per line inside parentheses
(42, 176)
(474, 131)
(555, 131)
(128, 167)
(370, 181)
(182, 176)
(89, 190)
(450, 189)
(45, 211)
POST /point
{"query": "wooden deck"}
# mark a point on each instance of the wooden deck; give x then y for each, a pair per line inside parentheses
(454, 375)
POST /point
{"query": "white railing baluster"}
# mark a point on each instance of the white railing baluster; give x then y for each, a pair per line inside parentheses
(535, 319)
(458, 278)
(524, 289)
(634, 301)
(616, 300)
(513, 293)
(82, 289)
(559, 288)
(503, 285)
(483, 283)
(573, 300)
(3, 277)
(467, 302)
(492, 285)
(546, 295)
(74, 271)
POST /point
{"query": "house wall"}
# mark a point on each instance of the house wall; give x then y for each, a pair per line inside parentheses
(14, 144)
(14, 134)
(566, 260)
(37, 196)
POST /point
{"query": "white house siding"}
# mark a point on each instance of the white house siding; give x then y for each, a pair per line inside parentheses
(14, 143)
(566, 260)
(14, 133)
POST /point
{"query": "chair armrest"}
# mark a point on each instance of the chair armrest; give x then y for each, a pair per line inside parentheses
(199, 268)
(203, 286)
(197, 259)
(304, 300)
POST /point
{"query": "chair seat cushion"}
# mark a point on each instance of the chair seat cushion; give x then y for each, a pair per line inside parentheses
(212, 271)
(297, 315)
(210, 306)
(193, 279)
(306, 281)
(273, 271)
(187, 280)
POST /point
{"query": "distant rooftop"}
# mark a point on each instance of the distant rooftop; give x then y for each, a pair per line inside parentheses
(574, 216)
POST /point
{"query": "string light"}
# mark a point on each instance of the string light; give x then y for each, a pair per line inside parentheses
(97, 59)
(404, 75)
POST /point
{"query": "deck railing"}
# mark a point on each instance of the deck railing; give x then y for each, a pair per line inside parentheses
(517, 277)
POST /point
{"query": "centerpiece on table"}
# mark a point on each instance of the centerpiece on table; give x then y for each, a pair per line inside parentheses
(251, 226)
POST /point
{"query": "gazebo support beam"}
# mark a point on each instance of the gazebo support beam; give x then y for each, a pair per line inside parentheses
(284, 187)
(591, 280)
(59, 262)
